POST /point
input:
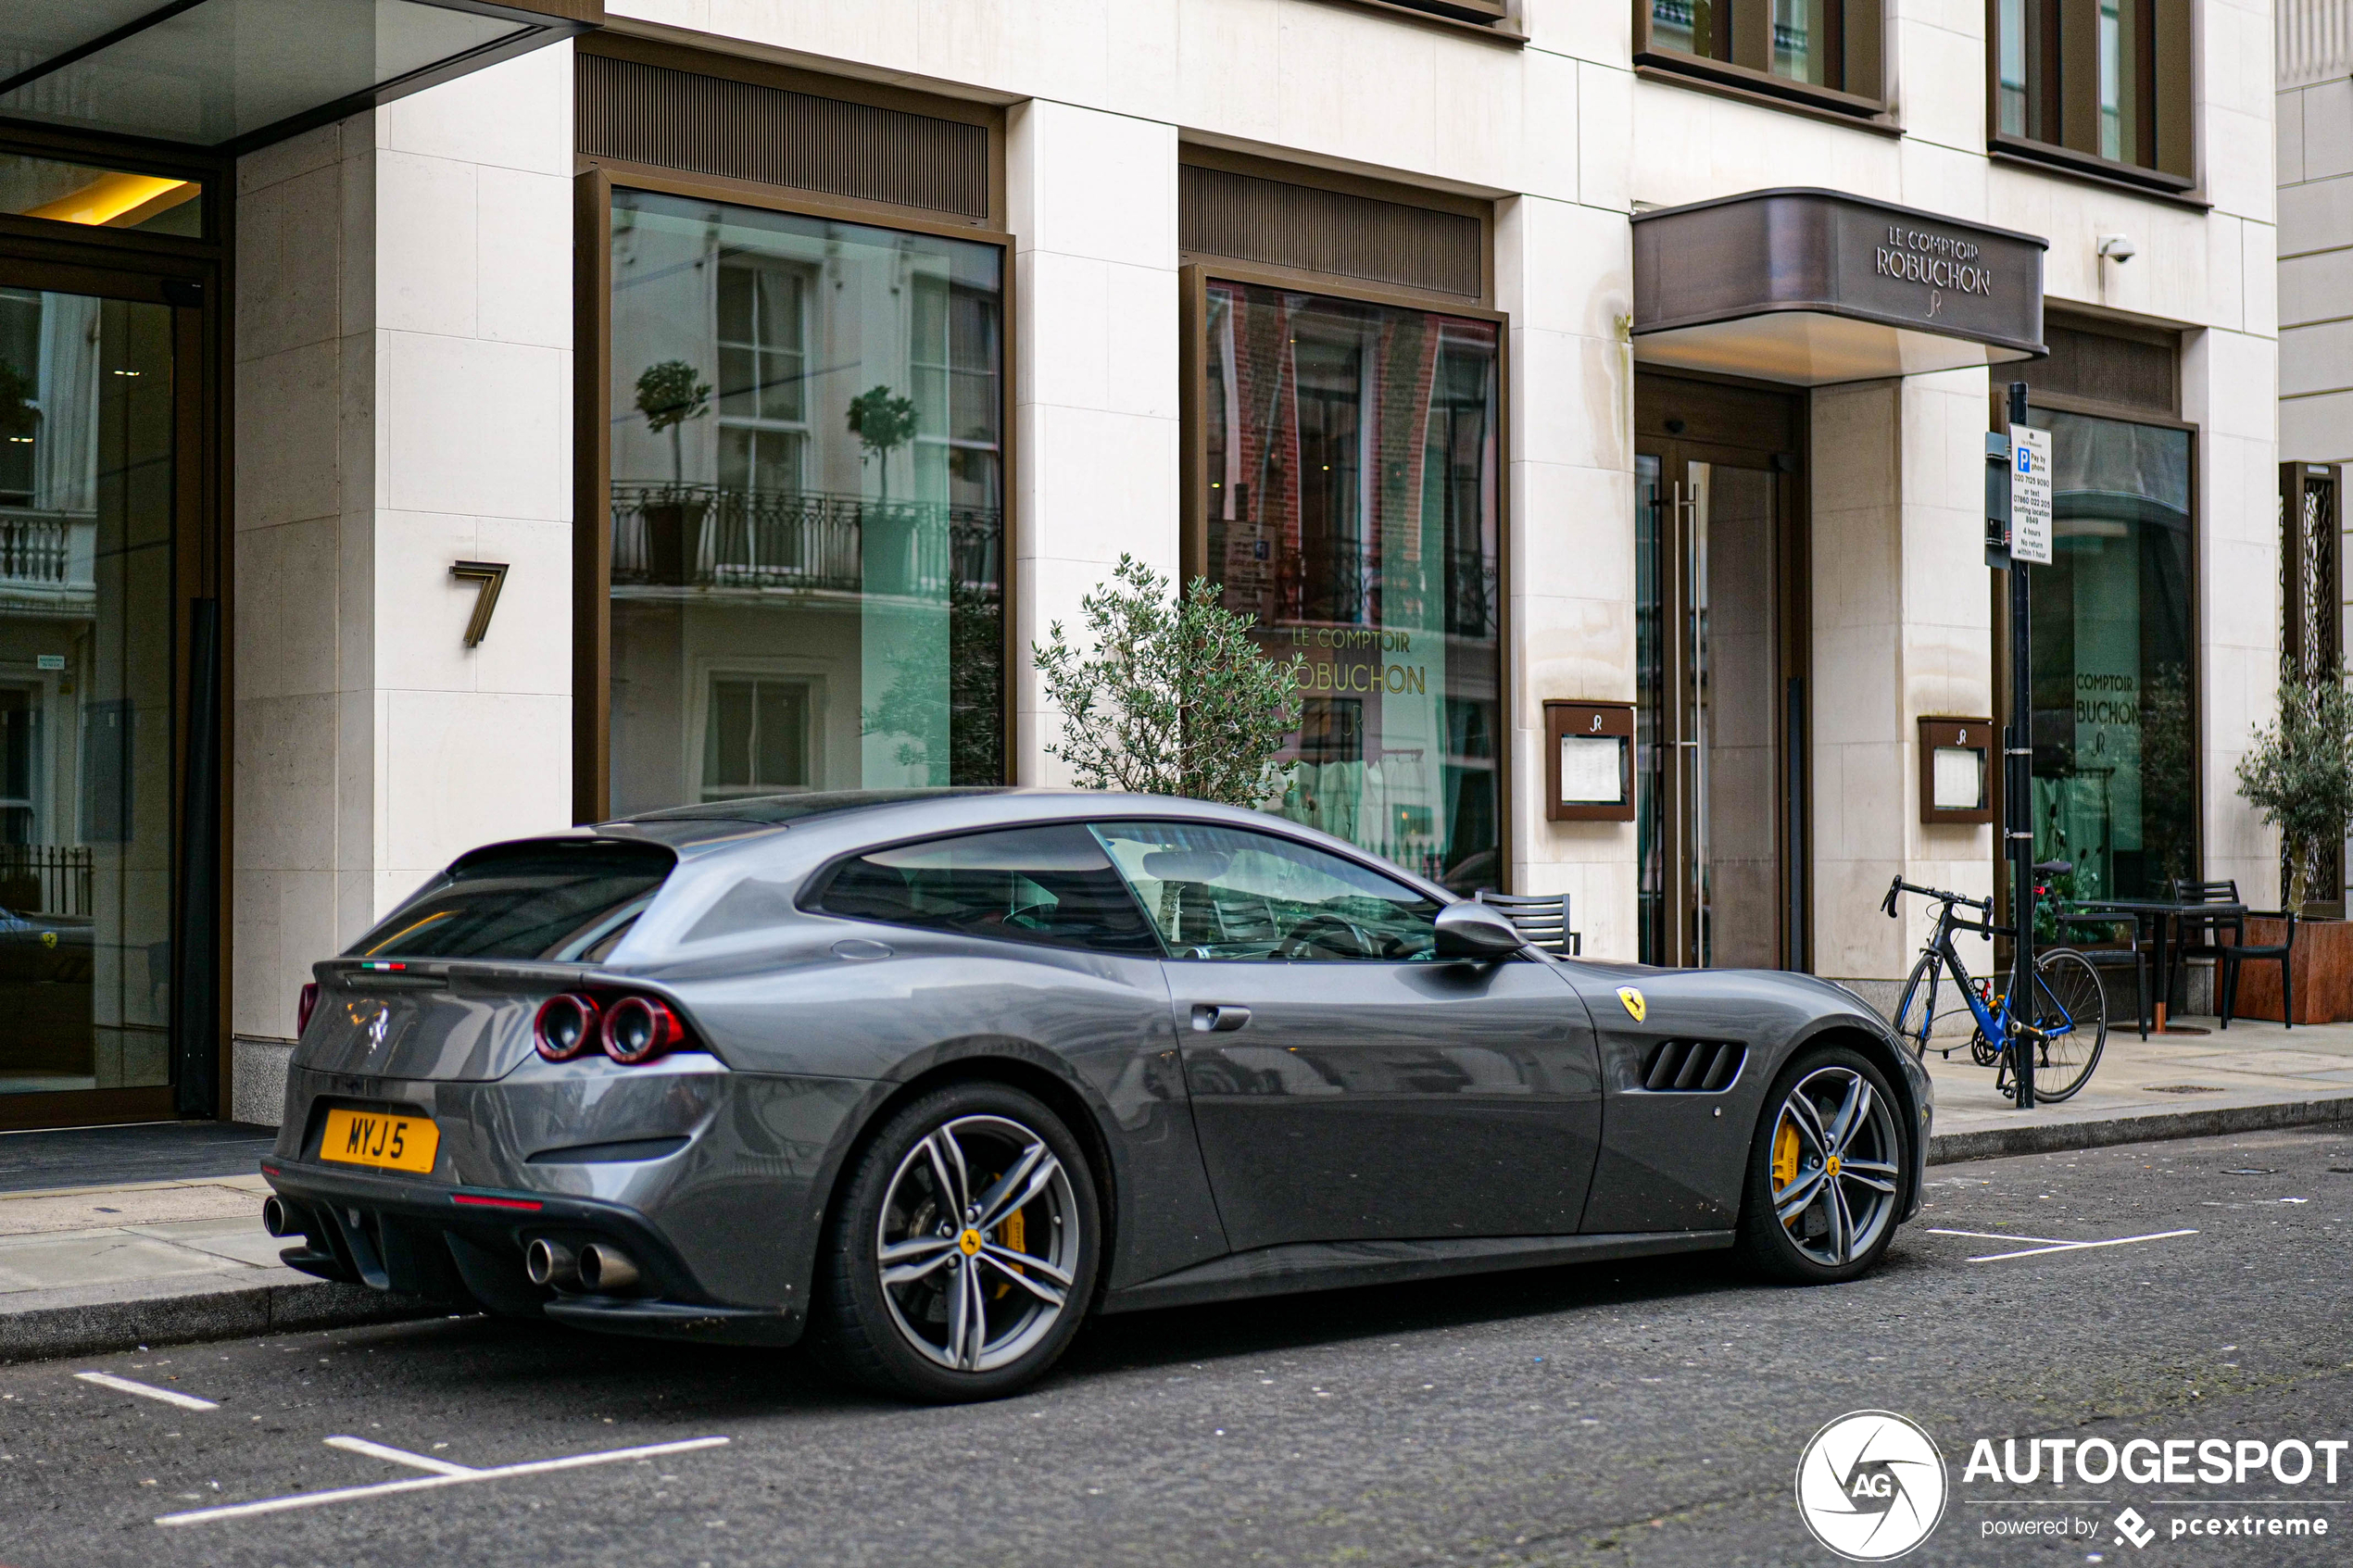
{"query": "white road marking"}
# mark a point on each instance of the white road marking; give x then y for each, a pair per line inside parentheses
(146, 1391)
(427, 1483)
(401, 1456)
(2049, 1246)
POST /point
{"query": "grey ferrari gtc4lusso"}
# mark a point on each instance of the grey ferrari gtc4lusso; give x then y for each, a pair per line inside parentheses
(930, 1075)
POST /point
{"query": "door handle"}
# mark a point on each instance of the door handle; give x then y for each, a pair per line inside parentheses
(1218, 1018)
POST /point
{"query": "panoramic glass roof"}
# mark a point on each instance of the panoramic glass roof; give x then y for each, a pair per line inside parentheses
(239, 73)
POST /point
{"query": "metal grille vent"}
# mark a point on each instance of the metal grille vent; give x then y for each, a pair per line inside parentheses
(1279, 224)
(1694, 1066)
(738, 130)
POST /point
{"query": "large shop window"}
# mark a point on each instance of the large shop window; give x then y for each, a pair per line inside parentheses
(808, 522)
(2103, 84)
(2115, 785)
(1825, 50)
(87, 419)
(1351, 507)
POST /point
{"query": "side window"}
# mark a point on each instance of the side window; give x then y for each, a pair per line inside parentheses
(1049, 885)
(1225, 893)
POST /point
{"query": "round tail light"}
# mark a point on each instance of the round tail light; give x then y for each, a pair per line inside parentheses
(640, 1028)
(566, 1025)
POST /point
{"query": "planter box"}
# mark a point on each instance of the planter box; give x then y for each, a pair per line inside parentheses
(2324, 961)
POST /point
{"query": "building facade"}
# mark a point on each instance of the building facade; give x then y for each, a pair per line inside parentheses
(2315, 123)
(1588, 400)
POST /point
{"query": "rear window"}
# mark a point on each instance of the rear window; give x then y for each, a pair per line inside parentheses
(565, 900)
(1046, 884)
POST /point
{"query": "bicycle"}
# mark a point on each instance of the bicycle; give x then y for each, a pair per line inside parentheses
(2069, 1022)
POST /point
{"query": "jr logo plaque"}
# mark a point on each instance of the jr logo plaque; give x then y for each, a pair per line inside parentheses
(1870, 1486)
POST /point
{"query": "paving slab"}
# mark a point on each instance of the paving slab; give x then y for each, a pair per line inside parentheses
(2250, 1076)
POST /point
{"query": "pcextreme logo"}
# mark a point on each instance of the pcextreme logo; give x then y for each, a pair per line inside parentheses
(1870, 1486)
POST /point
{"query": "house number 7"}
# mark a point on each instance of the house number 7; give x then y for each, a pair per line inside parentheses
(489, 575)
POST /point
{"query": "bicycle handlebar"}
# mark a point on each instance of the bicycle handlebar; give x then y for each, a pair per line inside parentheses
(1887, 905)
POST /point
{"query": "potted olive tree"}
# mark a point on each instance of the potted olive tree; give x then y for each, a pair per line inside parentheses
(2299, 775)
(668, 393)
(1173, 698)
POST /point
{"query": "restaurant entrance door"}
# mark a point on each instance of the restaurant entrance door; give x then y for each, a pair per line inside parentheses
(1720, 719)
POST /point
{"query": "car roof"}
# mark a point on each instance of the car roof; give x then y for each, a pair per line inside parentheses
(824, 824)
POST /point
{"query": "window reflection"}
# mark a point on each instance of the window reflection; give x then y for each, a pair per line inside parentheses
(807, 505)
(86, 682)
(2113, 667)
(1352, 508)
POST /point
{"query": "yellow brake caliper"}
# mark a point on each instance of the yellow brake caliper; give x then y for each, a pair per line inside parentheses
(1785, 1155)
(1010, 1233)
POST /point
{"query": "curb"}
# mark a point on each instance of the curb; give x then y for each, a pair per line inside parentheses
(103, 1327)
(2054, 1137)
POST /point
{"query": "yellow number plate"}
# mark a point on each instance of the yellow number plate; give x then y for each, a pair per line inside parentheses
(371, 1138)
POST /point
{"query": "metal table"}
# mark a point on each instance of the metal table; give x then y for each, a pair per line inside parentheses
(2166, 915)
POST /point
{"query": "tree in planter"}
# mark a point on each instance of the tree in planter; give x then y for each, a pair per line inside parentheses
(882, 424)
(2299, 773)
(1175, 699)
(668, 393)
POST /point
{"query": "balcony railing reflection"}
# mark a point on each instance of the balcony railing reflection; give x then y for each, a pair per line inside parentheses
(721, 536)
(40, 549)
(1466, 597)
(45, 878)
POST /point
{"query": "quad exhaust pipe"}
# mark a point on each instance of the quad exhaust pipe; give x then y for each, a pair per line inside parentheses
(600, 1268)
(605, 1268)
(552, 1263)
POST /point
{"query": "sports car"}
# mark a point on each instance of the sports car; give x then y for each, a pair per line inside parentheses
(930, 1076)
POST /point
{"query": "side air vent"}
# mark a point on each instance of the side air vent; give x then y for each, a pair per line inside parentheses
(1696, 1066)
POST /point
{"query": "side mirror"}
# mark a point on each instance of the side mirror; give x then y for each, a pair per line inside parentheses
(1476, 930)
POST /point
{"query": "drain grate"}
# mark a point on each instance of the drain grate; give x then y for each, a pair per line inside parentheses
(2181, 1089)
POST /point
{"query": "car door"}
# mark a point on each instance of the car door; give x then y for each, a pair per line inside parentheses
(1346, 1083)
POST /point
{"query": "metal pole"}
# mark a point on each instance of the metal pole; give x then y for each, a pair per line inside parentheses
(2019, 790)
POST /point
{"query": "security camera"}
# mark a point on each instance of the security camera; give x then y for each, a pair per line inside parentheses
(2118, 247)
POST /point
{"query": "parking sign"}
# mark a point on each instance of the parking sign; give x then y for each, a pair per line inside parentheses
(2030, 495)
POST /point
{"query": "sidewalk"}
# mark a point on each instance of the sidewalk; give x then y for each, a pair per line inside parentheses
(159, 1260)
(2255, 1076)
(103, 1268)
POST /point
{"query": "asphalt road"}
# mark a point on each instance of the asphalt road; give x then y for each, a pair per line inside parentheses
(1645, 1414)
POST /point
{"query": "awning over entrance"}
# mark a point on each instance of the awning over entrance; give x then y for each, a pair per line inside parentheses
(237, 74)
(1812, 287)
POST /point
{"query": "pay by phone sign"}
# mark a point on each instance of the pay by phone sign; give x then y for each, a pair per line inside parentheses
(2030, 495)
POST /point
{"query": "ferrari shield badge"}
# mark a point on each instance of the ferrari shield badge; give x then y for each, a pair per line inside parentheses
(1633, 1001)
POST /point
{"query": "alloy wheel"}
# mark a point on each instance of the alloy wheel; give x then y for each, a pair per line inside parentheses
(1833, 1169)
(978, 1243)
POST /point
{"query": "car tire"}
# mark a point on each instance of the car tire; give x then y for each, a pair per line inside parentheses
(1803, 1247)
(915, 1339)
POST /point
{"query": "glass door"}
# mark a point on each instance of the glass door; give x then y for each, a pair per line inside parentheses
(1714, 724)
(90, 413)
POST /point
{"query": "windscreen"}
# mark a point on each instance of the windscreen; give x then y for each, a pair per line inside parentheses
(562, 900)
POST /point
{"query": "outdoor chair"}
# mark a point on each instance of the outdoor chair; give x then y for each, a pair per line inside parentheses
(2197, 935)
(1543, 919)
(2281, 953)
(2111, 951)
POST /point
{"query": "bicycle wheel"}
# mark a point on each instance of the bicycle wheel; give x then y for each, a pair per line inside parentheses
(2070, 1008)
(1916, 1012)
